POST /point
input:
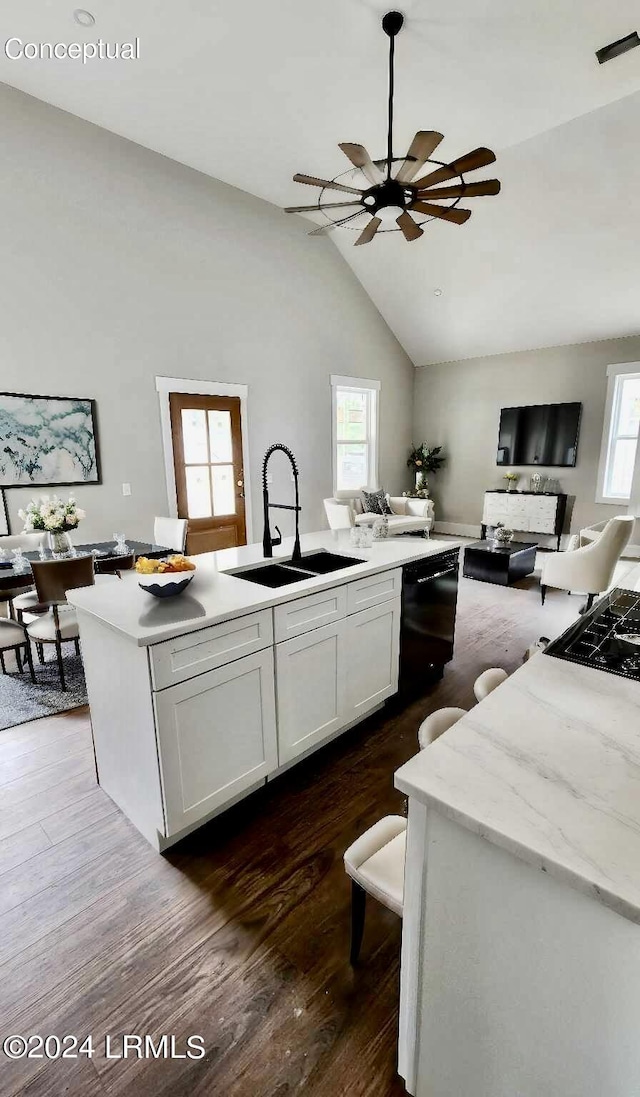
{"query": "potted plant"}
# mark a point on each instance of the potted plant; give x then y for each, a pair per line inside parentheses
(423, 459)
(55, 518)
(512, 479)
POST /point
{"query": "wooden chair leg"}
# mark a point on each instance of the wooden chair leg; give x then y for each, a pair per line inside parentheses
(40, 650)
(30, 662)
(358, 911)
(60, 664)
(543, 592)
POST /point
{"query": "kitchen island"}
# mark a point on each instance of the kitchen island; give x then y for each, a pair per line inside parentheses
(521, 933)
(198, 700)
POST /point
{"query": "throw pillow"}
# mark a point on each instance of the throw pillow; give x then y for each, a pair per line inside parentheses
(375, 502)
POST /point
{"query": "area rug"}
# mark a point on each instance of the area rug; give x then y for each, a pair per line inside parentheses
(21, 700)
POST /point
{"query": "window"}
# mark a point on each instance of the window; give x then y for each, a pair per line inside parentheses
(620, 455)
(355, 434)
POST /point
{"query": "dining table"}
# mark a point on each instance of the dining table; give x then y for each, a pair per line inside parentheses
(12, 576)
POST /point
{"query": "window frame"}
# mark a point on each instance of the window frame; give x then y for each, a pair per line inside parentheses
(616, 375)
(371, 388)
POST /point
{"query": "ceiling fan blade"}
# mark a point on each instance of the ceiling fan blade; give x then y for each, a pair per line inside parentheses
(410, 230)
(466, 190)
(478, 158)
(325, 205)
(455, 214)
(423, 144)
(312, 181)
(369, 232)
(360, 158)
(335, 224)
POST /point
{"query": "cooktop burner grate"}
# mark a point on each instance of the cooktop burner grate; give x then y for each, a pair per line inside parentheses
(607, 638)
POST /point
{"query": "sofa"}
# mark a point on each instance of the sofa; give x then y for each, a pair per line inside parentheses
(408, 515)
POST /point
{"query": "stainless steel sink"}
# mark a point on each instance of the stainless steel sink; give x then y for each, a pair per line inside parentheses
(282, 574)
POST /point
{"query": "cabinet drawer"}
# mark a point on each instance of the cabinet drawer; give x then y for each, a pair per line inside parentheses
(374, 589)
(177, 660)
(313, 611)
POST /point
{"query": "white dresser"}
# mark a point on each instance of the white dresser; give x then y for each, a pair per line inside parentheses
(525, 512)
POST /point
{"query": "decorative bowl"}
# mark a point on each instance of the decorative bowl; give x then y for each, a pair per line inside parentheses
(165, 584)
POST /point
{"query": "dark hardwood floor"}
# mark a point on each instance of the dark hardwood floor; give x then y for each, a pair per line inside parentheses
(240, 934)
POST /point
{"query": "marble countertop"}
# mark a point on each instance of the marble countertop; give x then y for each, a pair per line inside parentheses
(214, 596)
(548, 768)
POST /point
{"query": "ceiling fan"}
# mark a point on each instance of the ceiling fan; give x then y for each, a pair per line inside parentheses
(396, 200)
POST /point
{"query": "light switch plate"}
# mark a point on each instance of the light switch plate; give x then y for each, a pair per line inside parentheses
(126, 489)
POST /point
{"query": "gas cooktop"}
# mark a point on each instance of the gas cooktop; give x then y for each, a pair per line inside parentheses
(607, 638)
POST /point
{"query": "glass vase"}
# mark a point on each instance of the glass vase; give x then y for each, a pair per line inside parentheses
(59, 543)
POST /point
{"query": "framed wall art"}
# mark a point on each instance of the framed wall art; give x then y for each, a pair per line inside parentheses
(47, 441)
(4, 516)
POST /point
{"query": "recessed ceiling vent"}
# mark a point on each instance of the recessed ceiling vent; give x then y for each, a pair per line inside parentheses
(607, 53)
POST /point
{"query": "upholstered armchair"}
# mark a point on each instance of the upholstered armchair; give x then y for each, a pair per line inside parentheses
(588, 569)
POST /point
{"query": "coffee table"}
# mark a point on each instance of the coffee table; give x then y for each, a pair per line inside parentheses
(503, 564)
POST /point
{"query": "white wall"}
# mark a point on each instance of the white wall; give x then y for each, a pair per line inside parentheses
(457, 405)
(119, 265)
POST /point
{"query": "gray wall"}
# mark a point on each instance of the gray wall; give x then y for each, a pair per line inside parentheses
(119, 265)
(457, 405)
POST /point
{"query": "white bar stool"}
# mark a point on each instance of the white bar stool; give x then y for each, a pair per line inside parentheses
(375, 863)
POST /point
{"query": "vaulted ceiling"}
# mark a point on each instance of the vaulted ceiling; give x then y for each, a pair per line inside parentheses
(250, 93)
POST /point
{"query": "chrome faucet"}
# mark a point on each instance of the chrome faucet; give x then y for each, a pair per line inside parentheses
(267, 540)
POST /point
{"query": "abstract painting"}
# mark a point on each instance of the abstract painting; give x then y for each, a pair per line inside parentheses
(47, 440)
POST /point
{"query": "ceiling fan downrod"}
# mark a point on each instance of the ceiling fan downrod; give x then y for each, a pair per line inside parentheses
(392, 23)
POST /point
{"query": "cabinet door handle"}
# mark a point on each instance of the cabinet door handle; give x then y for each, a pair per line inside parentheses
(438, 575)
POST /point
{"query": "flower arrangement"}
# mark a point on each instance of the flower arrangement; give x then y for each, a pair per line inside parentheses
(512, 479)
(424, 458)
(52, 515)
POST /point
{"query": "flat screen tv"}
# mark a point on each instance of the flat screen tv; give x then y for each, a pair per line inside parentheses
(540, 434)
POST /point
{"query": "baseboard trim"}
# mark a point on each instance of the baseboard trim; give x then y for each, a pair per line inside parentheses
(457, 529)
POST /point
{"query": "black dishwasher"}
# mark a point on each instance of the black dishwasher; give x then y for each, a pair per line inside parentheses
(429, 598)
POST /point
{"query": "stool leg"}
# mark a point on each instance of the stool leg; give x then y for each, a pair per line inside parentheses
(358, 910)
(40, 650)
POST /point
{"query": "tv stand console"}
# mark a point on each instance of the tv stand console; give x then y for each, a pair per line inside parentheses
(525, 512)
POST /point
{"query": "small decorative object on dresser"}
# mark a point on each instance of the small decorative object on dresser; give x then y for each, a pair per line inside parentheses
(525, 511)
(512, 479)
(535, 483)
(56, 518)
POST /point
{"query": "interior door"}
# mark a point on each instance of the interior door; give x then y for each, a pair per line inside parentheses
(207, 457)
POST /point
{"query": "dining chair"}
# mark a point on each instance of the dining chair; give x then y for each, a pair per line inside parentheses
(53, 621)
(14, 638)
(170, 533)
(115, 565)
(28, 542)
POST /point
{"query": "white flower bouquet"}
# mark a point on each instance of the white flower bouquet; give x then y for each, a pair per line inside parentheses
(51, 515)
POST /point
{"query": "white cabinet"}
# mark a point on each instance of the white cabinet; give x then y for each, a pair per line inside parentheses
(310, 612)
(528, 512)
(372, 651)
(177, 660)
(216, 737)
(331, 677)
(374, 589)
(311, 681)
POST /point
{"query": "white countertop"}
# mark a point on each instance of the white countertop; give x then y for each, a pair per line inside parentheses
(548, 768)
(214, 596)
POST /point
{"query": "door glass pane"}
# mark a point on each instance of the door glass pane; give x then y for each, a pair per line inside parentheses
(198, 491)
(352, 416)
(621, 467)
(220, 436)
(194, 436)
(629, 418)
(352, 466)
(224, 495)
